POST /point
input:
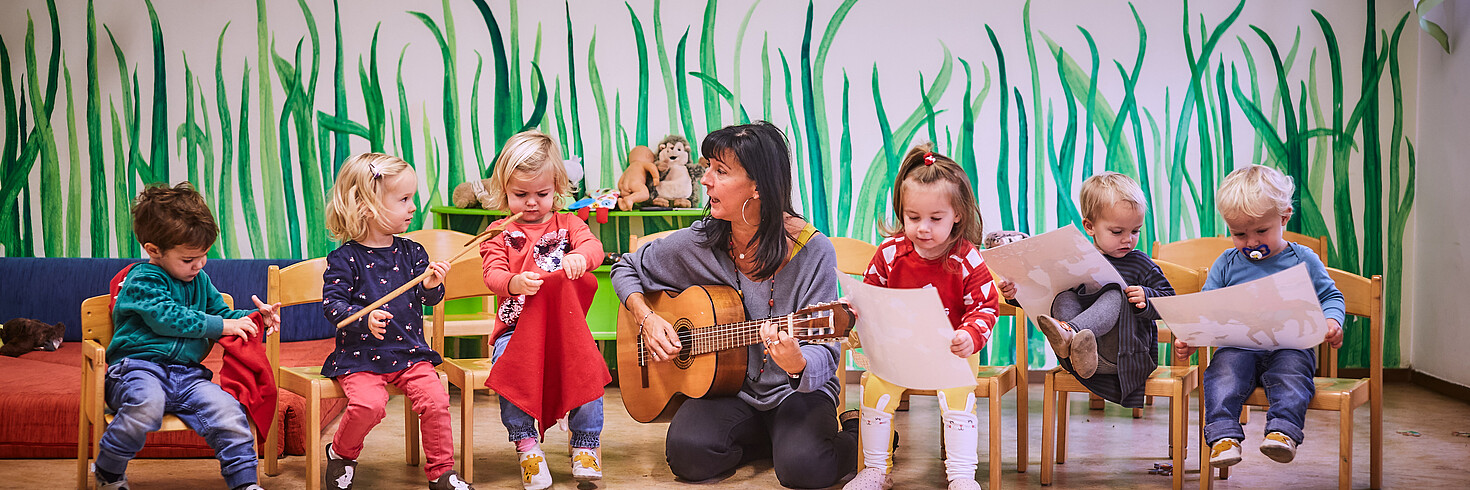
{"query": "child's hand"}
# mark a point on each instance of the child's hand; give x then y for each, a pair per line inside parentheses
(1183, 350)
(240, 327)
(962, 345)
(378, 323)
(270, 314)
(1334, 334)
(527, 283)
(1007, 289)
(575, 265)
(437, 271)
(1136, 296)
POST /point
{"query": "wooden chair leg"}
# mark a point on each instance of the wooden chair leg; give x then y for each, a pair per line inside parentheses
(467, 434)
(994, 435)
(83, 433)
(1048, 430)
(314, 453)
(1063, 404)
(410, 433)
(273, 445)
(1023, 426)
(1178, 431)
(1206, 473)
(1095, 402)
(1148, 400)
(1375, 440)
(1138, 413)
(1345, 447)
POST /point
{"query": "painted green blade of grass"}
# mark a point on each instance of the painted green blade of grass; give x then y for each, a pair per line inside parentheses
(640, 135)
(100, 239)
(929, 114)
(844, 156)
(739, 46)
(1091, 103)
(1039, 153)
(1400, 202)
(270, 159)
(1023, 218)
(253, 229)
(968, 160)
(710, 83)
(475, 134)
(122, 223)
(453, 155)
(1003, 163)
(796, 128)
(668, 75)
(884, 167)
(707, 65)
(74, 202)
(873, 181)
(290, 80)
(538, 107)
(206, 148)
(184, 133)
(341, 146)
(1227, 150)
(1062, 169)
(372, 93)
(45, 153)
(561, 124)
(507, 108)
(159, 155)
(686, 115)
(226, 204)
(600, 102)
(818, 97)
(405, 117)
(1102, 117)
(581, 150)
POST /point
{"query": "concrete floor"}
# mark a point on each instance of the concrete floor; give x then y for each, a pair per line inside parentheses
(1108, 449)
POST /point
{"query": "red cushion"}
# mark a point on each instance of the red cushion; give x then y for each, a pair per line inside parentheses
(40, 396)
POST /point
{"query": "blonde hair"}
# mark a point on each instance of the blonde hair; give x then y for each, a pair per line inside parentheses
(1107, 189)
(357, 193)
(528, 154)
(1253, 192)
(922, 166)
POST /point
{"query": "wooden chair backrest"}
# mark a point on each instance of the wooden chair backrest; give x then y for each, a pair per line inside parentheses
(298, 283)
(1362, 297)
(466, 279)
(1317, 244)
(97, 317)
(441, 244)
(640, 241)
(1194, 253)
(853, 255)
(1184, 280)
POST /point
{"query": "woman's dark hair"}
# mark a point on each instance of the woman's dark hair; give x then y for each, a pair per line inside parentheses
(761, 149)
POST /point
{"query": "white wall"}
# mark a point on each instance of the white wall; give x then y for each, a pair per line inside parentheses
(1441, 259)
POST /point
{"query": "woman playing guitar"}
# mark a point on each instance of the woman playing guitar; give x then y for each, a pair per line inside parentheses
(752, 241)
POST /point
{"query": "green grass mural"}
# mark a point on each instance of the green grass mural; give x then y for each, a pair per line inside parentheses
(1048, 97)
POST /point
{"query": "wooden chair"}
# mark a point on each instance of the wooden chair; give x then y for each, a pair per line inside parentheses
(443, 245)
(96, 335)
(639, 241)
(1363, 298)
(853, 256)
(1202, 252)
(1173, 382)
(301, 283)
(466, 280)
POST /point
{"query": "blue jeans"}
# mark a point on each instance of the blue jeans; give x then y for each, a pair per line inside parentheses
(141, 392)
(1233, 374)
(585, 421)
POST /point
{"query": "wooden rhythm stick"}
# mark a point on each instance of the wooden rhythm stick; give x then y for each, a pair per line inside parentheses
(486, 235)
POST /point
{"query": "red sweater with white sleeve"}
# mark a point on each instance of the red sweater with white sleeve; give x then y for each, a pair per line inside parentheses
(963, 281)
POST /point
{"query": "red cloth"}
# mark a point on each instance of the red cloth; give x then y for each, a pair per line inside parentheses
(552, 365)
(247, 375)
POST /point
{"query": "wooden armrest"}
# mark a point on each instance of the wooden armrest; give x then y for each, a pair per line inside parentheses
(93, 353)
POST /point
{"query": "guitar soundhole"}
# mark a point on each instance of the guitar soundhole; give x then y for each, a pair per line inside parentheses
(686, 343)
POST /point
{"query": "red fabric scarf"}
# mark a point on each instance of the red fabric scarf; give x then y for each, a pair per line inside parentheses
(246, 374)
(551, 364)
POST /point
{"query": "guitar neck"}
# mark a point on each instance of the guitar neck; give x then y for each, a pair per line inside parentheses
(728, 336)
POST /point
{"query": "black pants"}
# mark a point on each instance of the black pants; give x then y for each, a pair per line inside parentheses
(709, 437)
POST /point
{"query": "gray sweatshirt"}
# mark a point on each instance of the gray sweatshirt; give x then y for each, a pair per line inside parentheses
(677, 262)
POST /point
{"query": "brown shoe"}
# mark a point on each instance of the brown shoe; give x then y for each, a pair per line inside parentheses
(1084, 353)
(1058, 333)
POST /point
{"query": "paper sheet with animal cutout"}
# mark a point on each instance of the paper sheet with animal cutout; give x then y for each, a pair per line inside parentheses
(906, 336)
(1279, 311)
(1049, 263)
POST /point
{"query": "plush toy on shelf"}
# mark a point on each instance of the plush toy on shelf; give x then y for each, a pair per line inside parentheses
(475, 193)
(675, 186)
(634, 183)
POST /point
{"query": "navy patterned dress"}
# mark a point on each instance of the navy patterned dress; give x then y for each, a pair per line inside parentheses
(358, 275)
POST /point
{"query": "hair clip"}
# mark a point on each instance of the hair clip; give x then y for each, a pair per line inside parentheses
(377, 173)
(928, 158)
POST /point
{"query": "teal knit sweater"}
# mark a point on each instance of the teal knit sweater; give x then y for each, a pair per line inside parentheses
(164, 320)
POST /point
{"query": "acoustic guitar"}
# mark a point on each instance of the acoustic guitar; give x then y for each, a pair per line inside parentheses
(712, 330)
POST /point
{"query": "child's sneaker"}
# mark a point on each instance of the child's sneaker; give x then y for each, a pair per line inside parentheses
(339, 470)
(1225, 453)
(249, 486)
(1279, 447)
(450, 481)
(870, 479)
(586, 463)
(1058, 333)
(534, 473)
(1084, 353)
(964, 484)
(120, 484)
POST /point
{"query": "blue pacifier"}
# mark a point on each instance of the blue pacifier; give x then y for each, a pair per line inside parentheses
(1256, 253)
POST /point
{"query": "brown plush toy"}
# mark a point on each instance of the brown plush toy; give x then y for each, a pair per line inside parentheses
(633, 184)
(1002, 237)
(22, 335)
(676, 187)
(472, 194)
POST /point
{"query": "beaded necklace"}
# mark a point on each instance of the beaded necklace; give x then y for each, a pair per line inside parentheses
(770, 304)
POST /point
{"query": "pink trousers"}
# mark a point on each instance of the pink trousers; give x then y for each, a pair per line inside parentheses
(367, 401)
